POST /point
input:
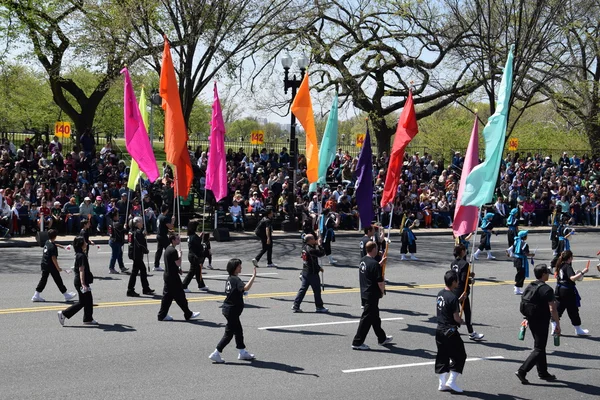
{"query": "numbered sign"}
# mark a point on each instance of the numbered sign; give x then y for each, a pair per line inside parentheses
(62, 129)
(360, 139)
(513, 144)
(257, 137)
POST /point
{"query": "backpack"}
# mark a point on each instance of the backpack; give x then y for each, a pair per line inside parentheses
(529, 300)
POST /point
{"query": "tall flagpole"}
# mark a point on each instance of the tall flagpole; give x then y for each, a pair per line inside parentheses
(472, 264)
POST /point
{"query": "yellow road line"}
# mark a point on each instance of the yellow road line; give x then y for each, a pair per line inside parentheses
(389, 288)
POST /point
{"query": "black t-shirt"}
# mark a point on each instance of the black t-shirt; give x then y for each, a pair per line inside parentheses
(140, 245)
(447, 305)
(564, 275)
(50, 251)
(197, 248)
(363, 245)
(265, 225)
(171, 275)
(234, 293)
(86, 235)
(310, 257)
(544, 295)
(163, 230)
(369, 272)
(81, 260)
(461, 267)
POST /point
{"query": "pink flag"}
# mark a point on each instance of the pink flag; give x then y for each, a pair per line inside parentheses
(136, 138)
(466, 217)
(216, 173)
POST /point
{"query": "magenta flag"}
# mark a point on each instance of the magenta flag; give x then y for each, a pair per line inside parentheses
(216, 173)
(136, 137)
(466, 217)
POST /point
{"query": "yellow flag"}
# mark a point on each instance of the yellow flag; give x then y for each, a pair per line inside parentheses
(302, 109)
(134, 171)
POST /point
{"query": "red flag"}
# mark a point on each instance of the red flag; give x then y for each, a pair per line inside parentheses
(176, 136)
(407, 129)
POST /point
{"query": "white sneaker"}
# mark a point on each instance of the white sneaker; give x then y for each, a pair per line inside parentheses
(451, 383)
(186, 290)
(403, 258)
(579, 331)
(168, 318)
(37, 298)
(518, 291)
(61, 318)
(158, 269)
(244, 355)
(442, 382)
(476, 336)
(195, 315)
(413, 258)
(255, 262)
(361, 347)
(388, 340)
(476, 254)
(216, 357)
(490, 256)
(70, 295)
(553, 328)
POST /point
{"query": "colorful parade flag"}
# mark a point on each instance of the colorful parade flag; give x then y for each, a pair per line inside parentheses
(364, 182)
(134, 170)
(407, 129)
(302, 109)
(481, 182)
(216, 172)
(328, 145)
(466, 217)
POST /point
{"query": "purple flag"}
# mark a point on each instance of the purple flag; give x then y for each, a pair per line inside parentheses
(364, 182)
(136, 138)
(216, 173)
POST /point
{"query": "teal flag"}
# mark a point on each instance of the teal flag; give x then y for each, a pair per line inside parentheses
(481, 182)
(328, 144)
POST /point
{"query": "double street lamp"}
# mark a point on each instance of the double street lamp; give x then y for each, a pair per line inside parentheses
(294, 84)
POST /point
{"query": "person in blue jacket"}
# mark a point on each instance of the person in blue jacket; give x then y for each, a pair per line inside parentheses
(486, 237)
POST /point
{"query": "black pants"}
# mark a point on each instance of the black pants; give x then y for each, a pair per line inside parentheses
(512, 233)
(170, 294)
(520, 275)
(266, 248)
(539, 330)
(55, 275)
(467, 313)
(408, 248)
(327, 246)
(85, 301)
(138, 268)
(369, 318)
(449, 348)
(161, 244)
(233, 328)
(567, 300)
(314, 281)
(485, 241)
(195, 270)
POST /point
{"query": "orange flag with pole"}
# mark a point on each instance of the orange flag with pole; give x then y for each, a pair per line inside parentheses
(176, 136)
(302, 109)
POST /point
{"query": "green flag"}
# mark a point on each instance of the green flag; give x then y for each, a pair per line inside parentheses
(134, 171)
(328, 145)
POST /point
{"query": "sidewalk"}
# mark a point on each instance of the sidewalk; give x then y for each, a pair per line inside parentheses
(31, 241)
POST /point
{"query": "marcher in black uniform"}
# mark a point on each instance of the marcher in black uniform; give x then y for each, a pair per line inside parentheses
(566, 292)
(85, 234)
(538, 325)
(207, 249)
(197, 252)
(50, 267)
(173, 289)
(326, 232)
(82, 281)
(461, 267)
(116, 242)
(447, 339)
(264, 231)
(363, 251)
(372, 288)
(232, 309)
(563, 234)
(162, 238)
(556, 219)
(311, 251)
(139, 248)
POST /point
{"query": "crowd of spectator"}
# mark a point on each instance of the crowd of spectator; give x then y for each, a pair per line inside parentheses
(60, 189)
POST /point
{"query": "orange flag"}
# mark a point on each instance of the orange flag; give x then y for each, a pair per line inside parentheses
(176, 136)
(302, 109)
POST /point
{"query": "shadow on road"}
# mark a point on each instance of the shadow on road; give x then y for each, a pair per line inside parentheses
(106, 327)
(402, 312)
(304, 332)
(290, 369)
(482, 395)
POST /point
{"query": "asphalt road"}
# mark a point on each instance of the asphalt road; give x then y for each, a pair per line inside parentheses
(132, 355)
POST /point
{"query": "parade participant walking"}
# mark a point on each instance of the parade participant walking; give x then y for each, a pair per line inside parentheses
(542, 307)
(372, 288)
(233, 306)
(451, 355)
(197, 253)
(264, 231)
(162, 238)
(173, 289)
(368, 230)
(521, 261)
(50, 267)
(409, 241)
(82, 281)
(137, 249)
(556, 220)
(326, 232)
(311, 251)
(563, 233)
(566, 292)
(486, 237)
(461, 267)
(85, 234)
(512, 223)
(116, 241)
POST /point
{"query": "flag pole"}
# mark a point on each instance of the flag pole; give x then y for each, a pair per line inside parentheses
(144, 220)
(471, 265)
(204, 208)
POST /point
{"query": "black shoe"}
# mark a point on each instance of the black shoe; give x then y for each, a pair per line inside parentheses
(124, 269)
(148, 291)
(521, 375)
(547, 377)
(133, 294)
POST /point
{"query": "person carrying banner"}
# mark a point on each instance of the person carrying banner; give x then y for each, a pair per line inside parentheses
(139, 247)
(463, 270)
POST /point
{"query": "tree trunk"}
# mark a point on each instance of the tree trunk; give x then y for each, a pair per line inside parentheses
(383, 134)
(593, 133)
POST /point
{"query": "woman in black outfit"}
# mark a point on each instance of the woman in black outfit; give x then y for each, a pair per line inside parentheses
(566, 292)
(197, 252)
(82, 281)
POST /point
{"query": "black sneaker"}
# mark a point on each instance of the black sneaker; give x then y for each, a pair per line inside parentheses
(547, 377)
(521, 375)
(124, 270)
(148, 291)
(296, 310)
(133, 294)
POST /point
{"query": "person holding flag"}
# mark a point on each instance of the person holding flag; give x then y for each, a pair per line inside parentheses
(463, 270)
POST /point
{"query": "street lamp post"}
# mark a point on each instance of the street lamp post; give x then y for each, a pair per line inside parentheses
(155, 100)
(294, 84)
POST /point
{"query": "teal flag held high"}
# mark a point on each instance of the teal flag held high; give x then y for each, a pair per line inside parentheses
(328, 144)
(481, 182)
